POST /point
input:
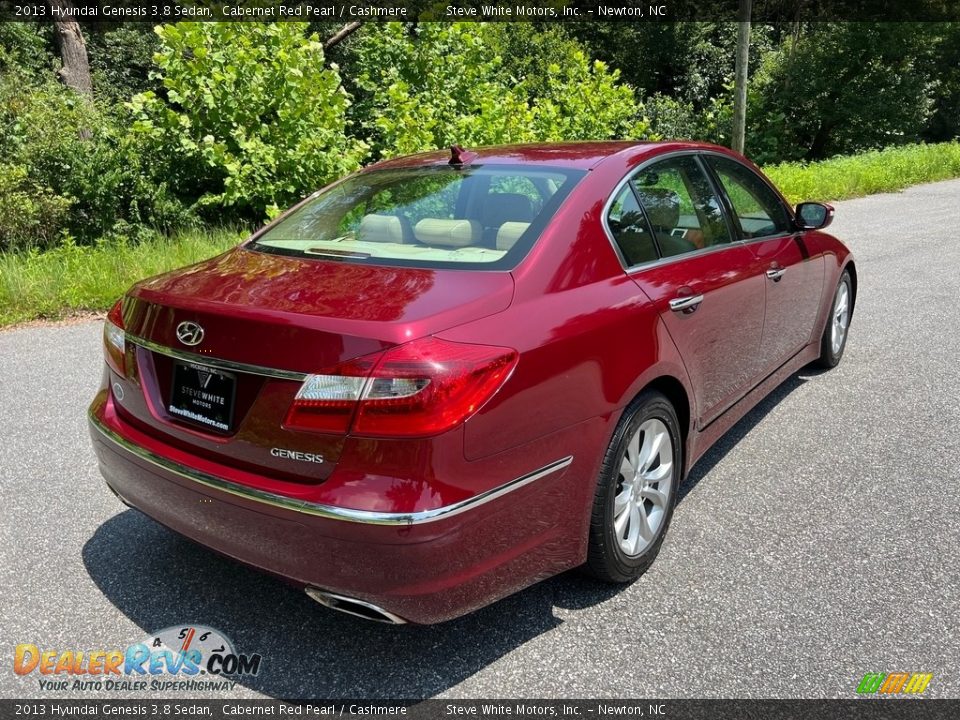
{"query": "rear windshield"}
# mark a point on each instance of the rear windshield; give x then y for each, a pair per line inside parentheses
(469, 218)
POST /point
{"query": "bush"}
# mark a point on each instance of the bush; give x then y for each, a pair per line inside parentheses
(69, 147)
(446, 83)
(30, 215)
(249, 111)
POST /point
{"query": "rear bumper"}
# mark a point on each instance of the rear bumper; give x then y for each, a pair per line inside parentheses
(423, 567)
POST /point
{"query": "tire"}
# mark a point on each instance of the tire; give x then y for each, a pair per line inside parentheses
(838, 323)
(619, 550)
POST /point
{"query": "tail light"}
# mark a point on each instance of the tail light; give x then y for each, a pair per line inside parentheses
(114, 340)
(417, 389)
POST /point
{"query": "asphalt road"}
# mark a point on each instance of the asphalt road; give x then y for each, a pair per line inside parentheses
(820, 540)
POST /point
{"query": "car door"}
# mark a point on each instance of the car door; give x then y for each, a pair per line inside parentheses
(673, 235)
(792, 268)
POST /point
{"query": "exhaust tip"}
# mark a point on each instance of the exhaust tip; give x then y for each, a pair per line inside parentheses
(352, 606)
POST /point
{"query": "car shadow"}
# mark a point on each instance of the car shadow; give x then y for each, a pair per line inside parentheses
(159, 579)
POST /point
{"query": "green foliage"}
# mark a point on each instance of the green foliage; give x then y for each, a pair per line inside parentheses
(250, 111)
(23, 49)
(30, 214)
(445, 83)
(867, 173)
(944, 67)
(121, 59)
(71, 277)
(840, 88)
(78, 152)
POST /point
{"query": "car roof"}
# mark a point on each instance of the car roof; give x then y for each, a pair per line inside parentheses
(582, 155)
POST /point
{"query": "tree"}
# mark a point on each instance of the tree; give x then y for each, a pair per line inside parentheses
(449, 83)
(251, 111)
(75, 71)
(841, 88)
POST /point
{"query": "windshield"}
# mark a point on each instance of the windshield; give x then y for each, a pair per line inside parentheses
(468, 218)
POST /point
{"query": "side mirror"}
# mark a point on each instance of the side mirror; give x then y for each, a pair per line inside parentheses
(814, 215)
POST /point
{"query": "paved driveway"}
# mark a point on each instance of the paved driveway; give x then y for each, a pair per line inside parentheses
(820, 540)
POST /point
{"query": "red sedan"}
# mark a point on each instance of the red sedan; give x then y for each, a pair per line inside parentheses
(448, 376)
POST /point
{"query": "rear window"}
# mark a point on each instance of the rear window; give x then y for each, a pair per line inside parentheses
(469, 218)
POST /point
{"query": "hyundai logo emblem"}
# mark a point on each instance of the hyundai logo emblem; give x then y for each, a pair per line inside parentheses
(189, 333)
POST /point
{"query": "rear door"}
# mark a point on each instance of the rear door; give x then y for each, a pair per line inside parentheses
(792, 268)
(708, 290)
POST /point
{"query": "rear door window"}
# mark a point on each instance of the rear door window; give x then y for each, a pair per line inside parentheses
(681, 206)
(629, 229)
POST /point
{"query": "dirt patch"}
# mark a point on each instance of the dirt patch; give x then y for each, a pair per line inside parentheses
(72, 319)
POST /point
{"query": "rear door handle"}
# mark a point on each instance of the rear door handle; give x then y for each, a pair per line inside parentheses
(687, 303)
(775, 274)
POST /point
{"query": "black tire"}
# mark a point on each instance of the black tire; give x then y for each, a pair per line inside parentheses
(830, 358)
(606, 558)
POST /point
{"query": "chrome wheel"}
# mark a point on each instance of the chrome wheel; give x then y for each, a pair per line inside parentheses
(840, 318)
(643, 488)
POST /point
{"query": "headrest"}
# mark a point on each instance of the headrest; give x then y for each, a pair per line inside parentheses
(509, 233)
(380, 228)
(662, 207)
(507, 207)
(449, 233)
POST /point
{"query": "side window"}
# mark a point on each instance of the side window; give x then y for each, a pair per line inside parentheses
(629, 229)
(682, 208)
(756, 206)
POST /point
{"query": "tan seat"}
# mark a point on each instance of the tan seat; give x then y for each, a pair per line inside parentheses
(381, 228)
(662, 207)
(448, 233)
(509, 233)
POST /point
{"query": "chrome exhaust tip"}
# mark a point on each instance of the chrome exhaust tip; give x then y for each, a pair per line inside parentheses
(120, 497)
(352, 606)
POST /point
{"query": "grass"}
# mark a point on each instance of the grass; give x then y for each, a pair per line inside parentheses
(72, 279)
(868, 173)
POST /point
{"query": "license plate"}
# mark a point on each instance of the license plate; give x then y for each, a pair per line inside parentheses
(203, 396)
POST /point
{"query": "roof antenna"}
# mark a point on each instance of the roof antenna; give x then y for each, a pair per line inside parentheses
(459, 156)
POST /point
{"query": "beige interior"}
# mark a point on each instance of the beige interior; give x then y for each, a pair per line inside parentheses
(448, 233)
(509, 233)
(380, 228)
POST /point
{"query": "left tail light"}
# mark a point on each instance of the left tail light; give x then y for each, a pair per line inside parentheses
(417, 389)
(115, 341)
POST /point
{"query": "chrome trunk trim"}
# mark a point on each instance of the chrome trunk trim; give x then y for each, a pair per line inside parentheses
(215, 362)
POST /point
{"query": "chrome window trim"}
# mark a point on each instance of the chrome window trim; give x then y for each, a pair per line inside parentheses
(631, 269)
(331, 512)
(215, 362)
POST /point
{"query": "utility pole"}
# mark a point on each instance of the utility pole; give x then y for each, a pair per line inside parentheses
(740, 80)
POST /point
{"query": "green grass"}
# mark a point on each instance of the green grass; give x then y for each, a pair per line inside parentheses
(73, 279)
(866, 174)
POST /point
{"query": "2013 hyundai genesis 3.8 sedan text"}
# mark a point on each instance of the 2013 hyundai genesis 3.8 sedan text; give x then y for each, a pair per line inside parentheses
(451, 375)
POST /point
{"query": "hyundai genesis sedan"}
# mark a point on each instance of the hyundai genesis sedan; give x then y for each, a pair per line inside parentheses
(448, 376)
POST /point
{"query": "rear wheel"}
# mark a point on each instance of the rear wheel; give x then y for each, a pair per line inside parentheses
(636, 491)
(834, 339)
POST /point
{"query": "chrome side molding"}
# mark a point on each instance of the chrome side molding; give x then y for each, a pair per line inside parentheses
(331, 512)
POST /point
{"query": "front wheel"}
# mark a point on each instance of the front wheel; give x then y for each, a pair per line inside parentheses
(636, 490)
(834, 339)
